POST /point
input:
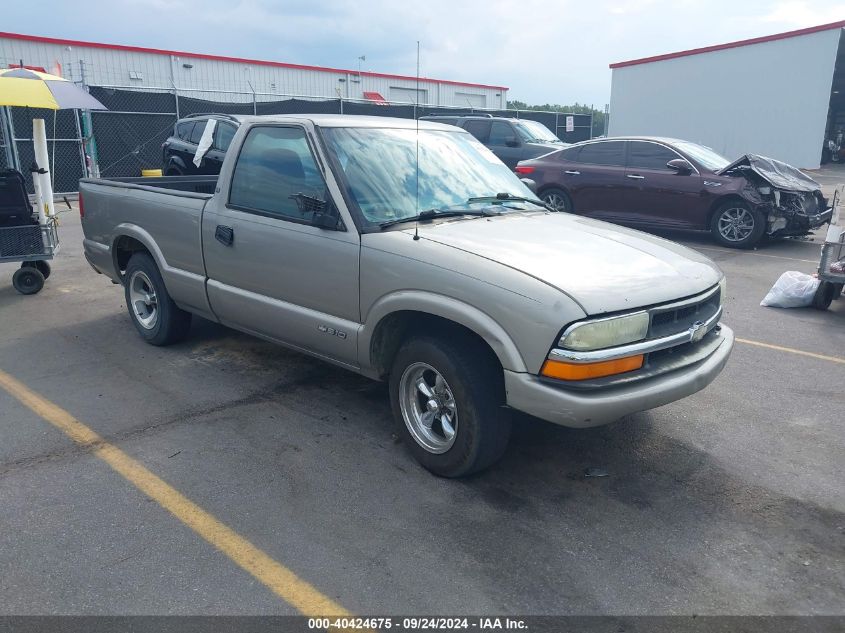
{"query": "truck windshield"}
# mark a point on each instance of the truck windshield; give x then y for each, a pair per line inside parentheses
(380, 169)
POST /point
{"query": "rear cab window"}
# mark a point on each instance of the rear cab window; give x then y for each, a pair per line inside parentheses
(276, 175)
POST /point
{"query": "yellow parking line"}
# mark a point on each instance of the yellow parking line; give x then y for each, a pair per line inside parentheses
(832, 359)
(275, 576)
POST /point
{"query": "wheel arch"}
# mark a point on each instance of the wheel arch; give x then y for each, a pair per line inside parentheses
(130, 239)
(175, 161)
(393, 319)
(722, 200)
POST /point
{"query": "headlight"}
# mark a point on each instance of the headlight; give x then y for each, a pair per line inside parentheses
(603, 333)
(723, 290)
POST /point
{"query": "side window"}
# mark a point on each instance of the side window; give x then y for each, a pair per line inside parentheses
(479, 129)
(223, 134)
(501, 133)
(569, 154)
(183, 130)
(611, 153)
(649, 156)
(276, 175)
(199, 128)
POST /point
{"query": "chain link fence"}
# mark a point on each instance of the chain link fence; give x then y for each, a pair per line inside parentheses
(127, 138)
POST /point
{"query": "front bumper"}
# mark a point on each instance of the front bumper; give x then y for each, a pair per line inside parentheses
(581, 409)
(802, 224)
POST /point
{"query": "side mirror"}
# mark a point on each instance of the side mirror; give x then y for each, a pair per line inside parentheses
(532, 185)
(327, 220)
(323, 214)
(512, 142)
(680, 166)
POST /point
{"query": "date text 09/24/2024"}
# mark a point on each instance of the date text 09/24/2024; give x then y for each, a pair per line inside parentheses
(417, 623)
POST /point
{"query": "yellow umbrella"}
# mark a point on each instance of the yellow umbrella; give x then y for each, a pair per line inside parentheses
(24, 87)
(30, 88)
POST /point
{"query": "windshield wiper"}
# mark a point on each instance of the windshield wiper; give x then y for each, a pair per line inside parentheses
(437, 213)
(506, 197)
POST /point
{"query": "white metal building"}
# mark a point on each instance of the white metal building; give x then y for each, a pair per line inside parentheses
(779, 96)
(146, 68)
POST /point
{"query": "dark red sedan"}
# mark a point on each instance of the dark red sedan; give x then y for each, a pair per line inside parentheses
(668, 183)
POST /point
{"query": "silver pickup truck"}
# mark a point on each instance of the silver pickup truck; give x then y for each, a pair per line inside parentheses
(413, 255)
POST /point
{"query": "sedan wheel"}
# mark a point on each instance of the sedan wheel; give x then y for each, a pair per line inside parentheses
(736, 225)
(557, 200)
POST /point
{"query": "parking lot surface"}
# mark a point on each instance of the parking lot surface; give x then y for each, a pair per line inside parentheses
(728, 502)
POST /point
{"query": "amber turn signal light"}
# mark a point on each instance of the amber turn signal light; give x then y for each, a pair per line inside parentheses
(584, 371)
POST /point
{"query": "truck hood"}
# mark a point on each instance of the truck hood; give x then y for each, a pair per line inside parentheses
(603, 267)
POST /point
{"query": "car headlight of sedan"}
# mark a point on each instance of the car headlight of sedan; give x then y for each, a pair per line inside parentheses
(602, 333)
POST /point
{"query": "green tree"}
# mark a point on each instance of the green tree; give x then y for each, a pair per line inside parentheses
(576, 108)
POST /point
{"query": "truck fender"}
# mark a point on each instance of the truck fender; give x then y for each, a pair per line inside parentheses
(136, 232)
(444, 307)
(187, 289)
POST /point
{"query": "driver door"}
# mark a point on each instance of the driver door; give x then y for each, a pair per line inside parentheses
(275, 266)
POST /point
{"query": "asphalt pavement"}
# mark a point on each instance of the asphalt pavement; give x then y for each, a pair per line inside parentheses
(728, 502)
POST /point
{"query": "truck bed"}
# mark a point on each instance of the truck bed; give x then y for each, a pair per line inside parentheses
(187, 184)
(164, 214)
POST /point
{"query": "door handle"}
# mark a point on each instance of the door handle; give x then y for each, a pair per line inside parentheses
(635, 177)
(224, 234)
(572, 173)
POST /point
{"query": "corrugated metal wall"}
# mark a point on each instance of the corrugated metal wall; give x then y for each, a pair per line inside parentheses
(109, 67)
(769, 98)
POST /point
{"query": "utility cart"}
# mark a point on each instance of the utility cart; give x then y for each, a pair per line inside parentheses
(23, 237)
(832, 263)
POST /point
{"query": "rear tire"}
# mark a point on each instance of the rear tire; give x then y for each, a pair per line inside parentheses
(156, 317)
(469, 391)
(736, 225)
(173, 171)
(28, 280)
(558, 199)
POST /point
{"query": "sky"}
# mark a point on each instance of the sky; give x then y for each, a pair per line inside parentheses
(544, 51)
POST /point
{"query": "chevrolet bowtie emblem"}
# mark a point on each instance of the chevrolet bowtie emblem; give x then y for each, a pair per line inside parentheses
(697, 331)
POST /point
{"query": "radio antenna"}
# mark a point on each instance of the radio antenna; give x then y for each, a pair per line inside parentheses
(417, 119)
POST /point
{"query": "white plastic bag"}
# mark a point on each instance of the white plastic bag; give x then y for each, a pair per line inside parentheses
(205, 142)
(792, 290)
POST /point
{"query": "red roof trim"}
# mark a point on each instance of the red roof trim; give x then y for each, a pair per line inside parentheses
(222, 58)
(721, 47)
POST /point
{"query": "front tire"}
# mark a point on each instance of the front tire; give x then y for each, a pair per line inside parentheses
(447, 401)
(156, 317)
(557, 199)
(736, 225)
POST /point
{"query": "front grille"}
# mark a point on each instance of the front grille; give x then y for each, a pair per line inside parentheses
(667, 320)
(681, 316)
